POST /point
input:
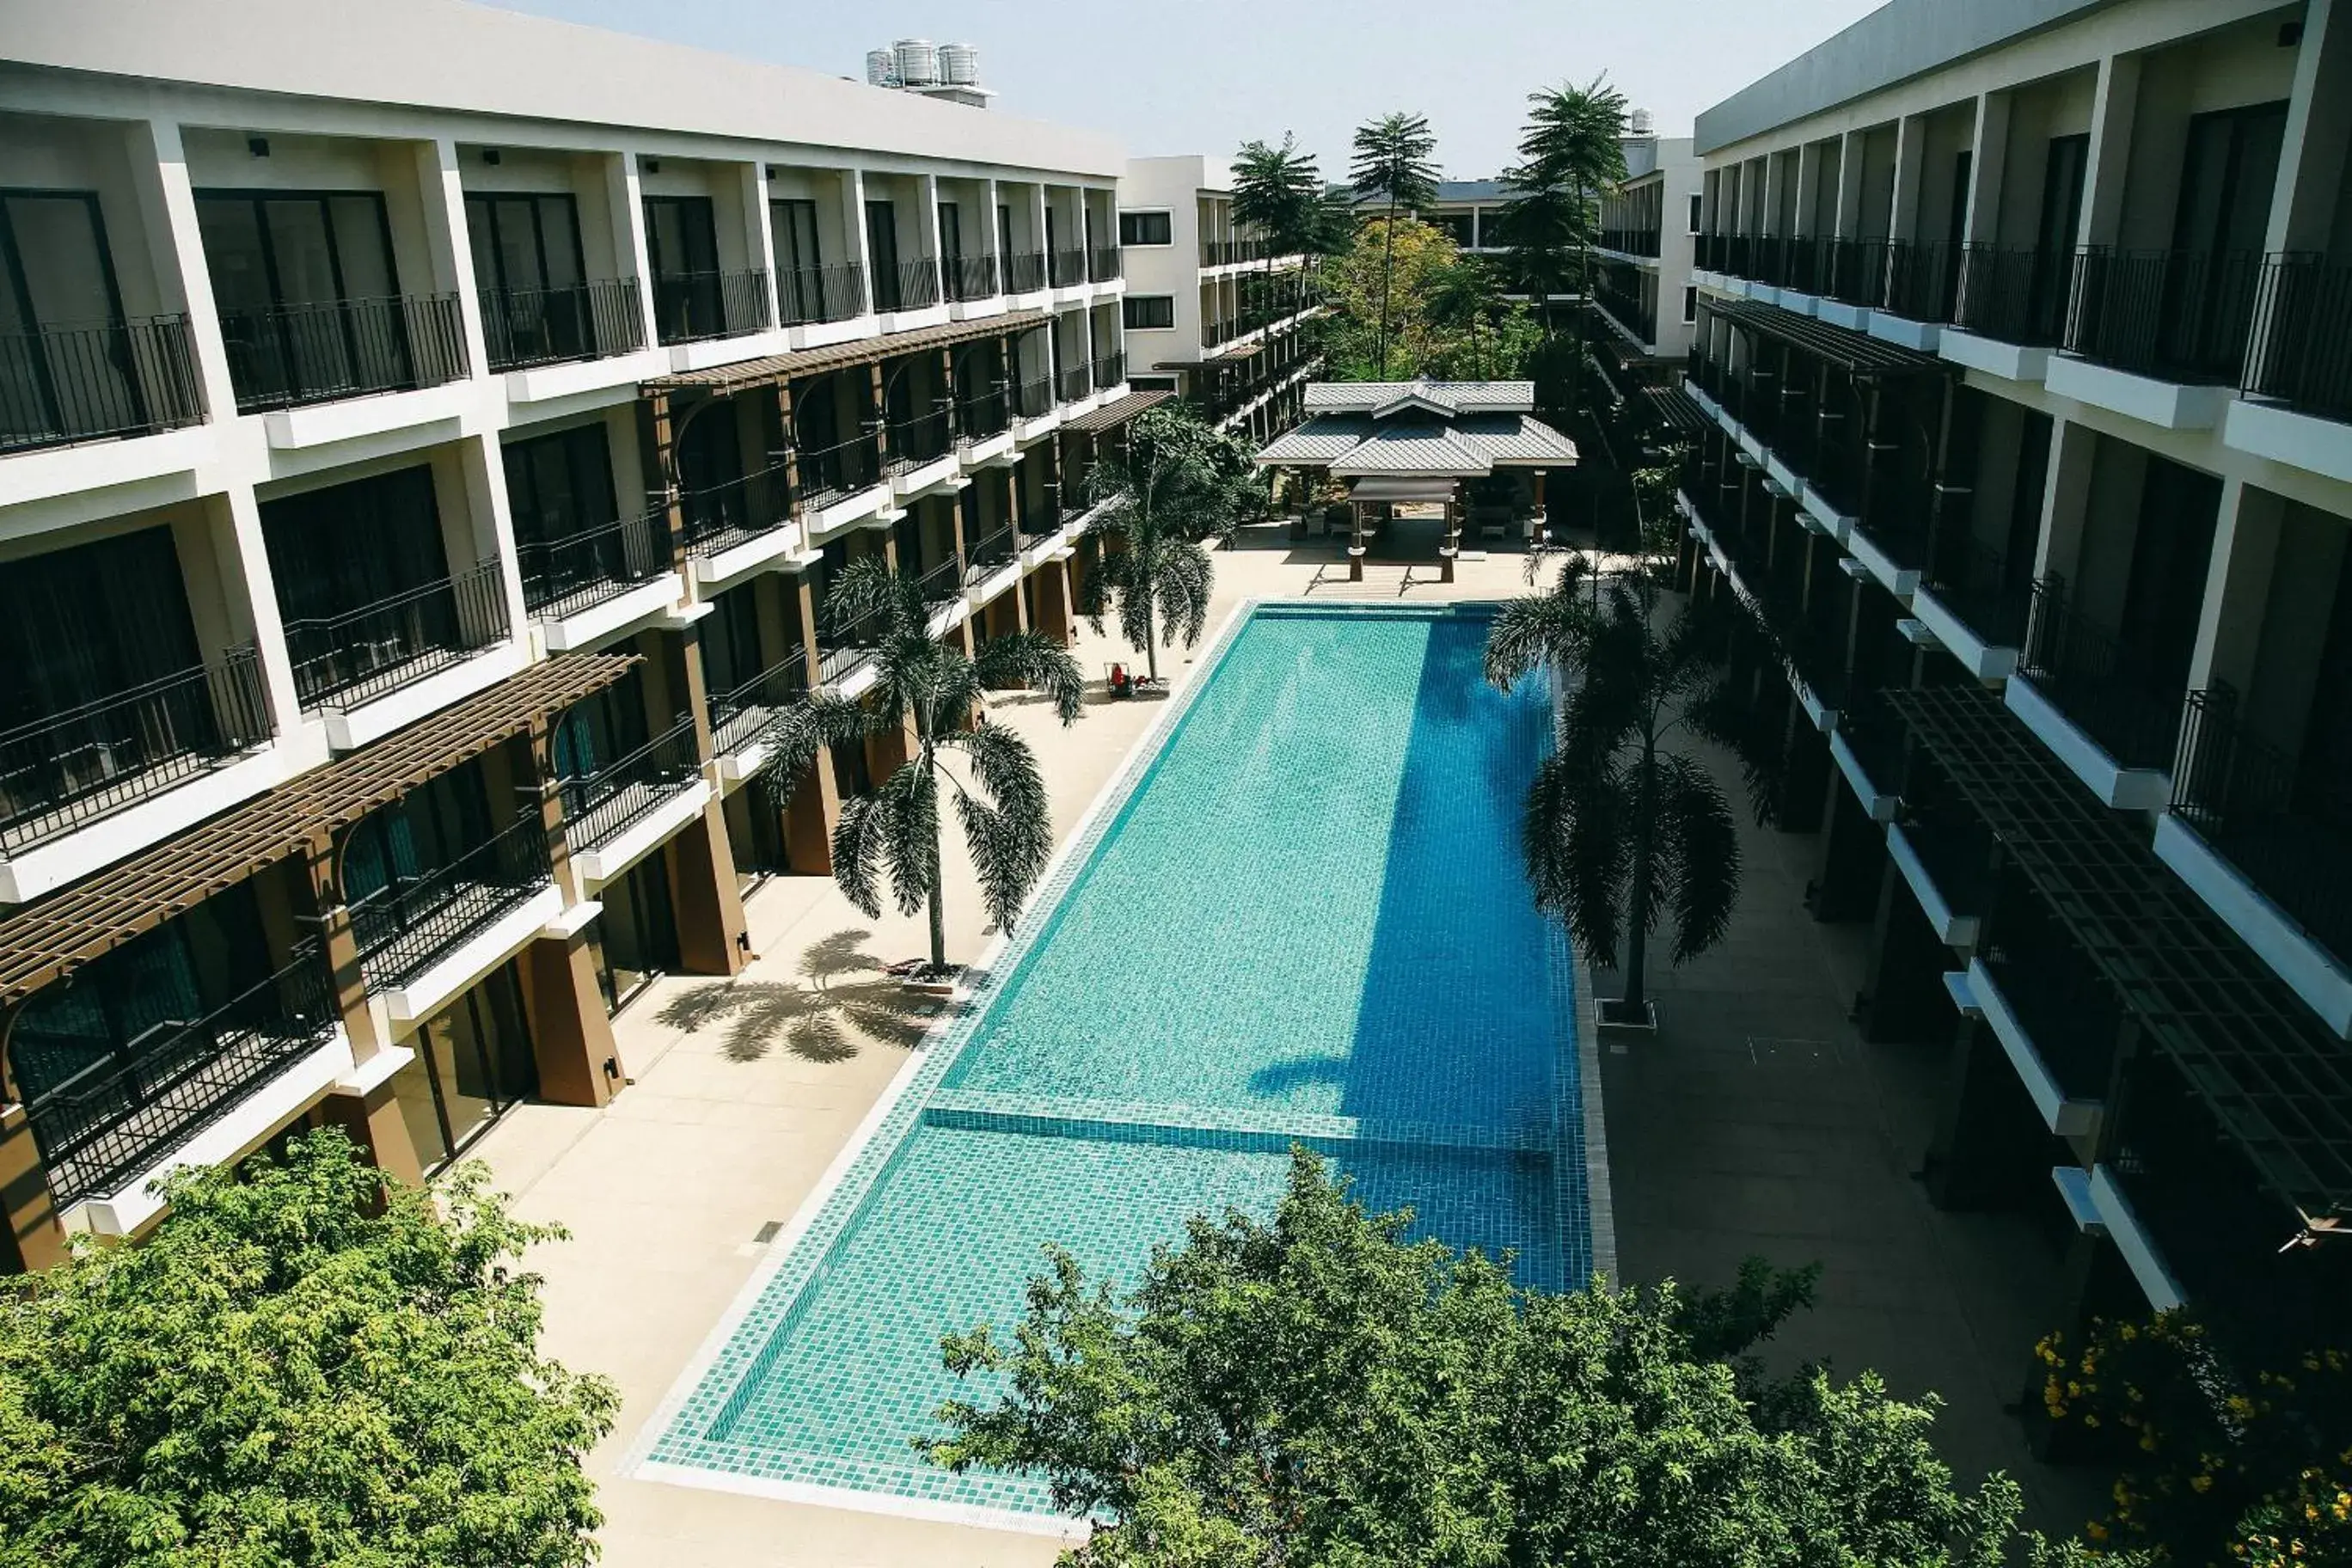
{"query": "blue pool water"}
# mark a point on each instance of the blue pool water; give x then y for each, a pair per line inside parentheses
(1304, 921)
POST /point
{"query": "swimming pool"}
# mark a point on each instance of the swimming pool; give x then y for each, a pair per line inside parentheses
(1300, 916)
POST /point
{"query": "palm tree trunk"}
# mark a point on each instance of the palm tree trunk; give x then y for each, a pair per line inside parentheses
(939, 925)
(1645, 808)
(1150, 637)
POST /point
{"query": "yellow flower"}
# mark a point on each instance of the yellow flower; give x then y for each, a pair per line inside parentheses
(2096, 1531)
(2130, 1332)
(2201, 1483)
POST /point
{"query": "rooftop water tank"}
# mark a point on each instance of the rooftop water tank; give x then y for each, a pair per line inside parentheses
(1639, 122)
(959, 65)
(881, 69)
(918, 62)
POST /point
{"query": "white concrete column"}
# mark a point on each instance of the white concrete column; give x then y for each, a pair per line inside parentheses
(1988, 161)
(2066, 498)
(989, 237)
(852, 226)
(484, 466)
(1809, 180)
(169, 207)
(2318, 131)
(1848, 192)
(248, 558)
(625, 195)
(441, 196)
(2237, 586)
(1767, 218)
(928, 196)
(760, 236)
(1910, 151)
(2114, 104)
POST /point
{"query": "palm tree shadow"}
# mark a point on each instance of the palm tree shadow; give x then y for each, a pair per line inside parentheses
(841, 1001)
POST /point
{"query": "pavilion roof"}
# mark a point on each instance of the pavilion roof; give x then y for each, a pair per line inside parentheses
(1464, 446)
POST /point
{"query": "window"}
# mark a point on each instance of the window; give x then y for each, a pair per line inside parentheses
(1695, 202)
(1144, 312)
(1455, 226)
(524, 242)
(1151, 383)
(1145, 228)
(1690, 305)
(791, 224)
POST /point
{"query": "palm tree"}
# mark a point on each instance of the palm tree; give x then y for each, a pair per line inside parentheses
(1466, 295)
(929, 689)
(1175, 483)
(1275, 190)
(1570, 154)
(1617, 830)
(1392, 163)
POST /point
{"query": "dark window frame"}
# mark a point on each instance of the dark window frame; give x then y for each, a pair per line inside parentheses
(1130, 218)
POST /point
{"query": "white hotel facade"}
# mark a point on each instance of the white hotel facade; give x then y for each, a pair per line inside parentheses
(427, 435)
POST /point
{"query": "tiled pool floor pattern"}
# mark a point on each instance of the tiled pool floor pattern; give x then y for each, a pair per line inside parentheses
(1304, 921)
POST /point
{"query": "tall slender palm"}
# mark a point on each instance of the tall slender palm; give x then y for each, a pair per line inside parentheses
(1393, 164)
(1465, 295)
(1570, 154)
(1175, 483)
(1618, 831)
(1275, 191)
(929, 689)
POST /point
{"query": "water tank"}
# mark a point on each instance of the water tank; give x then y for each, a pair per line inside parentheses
(918, 62)
(1639, 122)
(959, 65)
(881, 69)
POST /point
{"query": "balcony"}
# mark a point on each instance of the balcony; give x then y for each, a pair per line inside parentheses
(808, 295)
(1024, 271)
(740, 717)
(971, 278)
(1988, 593)
(2303, 323)
(846, 651)
(415, 924)
(2015, 293)
(983, 417)
(1854, 271)
(1631, 241)
(528, 327)
(2058, 1022)
(602, 807)
(62, 385)
(342, 661)
(941, 584)
(2171, 315)
(988, 555)
(1033, 399)
(1617, 288)
(72, 768)
(830, 475)
(1923, 279)
(2105, 689)
(911, 444)
(288, 356)
(102, 1131)
(1077, 383)
(565, 577)
(695, 307)
(728, 516)
(1068, 269)
(908, 286)
(1109, 369)
(1104, 264)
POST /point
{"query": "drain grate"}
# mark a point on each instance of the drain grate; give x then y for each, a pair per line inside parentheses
(768, 1233)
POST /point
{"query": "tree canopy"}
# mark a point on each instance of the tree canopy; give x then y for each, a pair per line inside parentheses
(1447, 317)
(1280, 191)
(305, 1364)
(1315, 1391)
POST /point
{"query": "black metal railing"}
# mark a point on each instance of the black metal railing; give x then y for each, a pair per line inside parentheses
(102, 1128)
(806, 294)
(970, 277)
(284, 356)
(600, 806)
(2303, 325)
(1024, 271)
(1854, 271)
(988, 553)
(1110, 370)
(692, 307)
(2286, 827)
(1923, 278)
(2015, 293)
(2180, 315)
(722, 516)
(2097, 682)
(829, 474)
(2067, 1009)
(912, 285)
(1069, 267)
(940, 583)
(413, 922)
(597, 319)
(1984, 588)
(925, 438)
(1637, 241)
(1104, 263)
(340, 661)
(1075, 382)
(1618, 289)
(60, 384)
(738, 716)
(69, 768)
(564, 576)
(848, 646)
(984, 414)
(1033, 399)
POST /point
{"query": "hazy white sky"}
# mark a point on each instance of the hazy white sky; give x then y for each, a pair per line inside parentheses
(1202, 75)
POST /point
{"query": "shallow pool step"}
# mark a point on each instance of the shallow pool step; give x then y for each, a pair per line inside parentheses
(1210, 1126)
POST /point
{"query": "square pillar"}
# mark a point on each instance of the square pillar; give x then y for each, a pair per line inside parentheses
(32, 1238)
(571, 1036)
(2237, 586)
(2114, 105)
(372, 1120)
(1910, 151)
(712, 937)
(1987, 160)
(2318, 131)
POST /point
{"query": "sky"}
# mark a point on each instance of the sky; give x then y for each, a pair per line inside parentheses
(1203, 76)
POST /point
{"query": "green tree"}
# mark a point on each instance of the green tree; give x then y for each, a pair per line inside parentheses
(1276, 191)
(1393, 165)
(306, 1363)
(1172, 484)
(1620, 832)
(1314, 1392)
(1404, 264)
(1570, 155)
(930, 690)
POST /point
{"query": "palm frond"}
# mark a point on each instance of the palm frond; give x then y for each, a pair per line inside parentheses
(1754, 737)
(909, 804)
(1533, 632)
(1695, 845)
(1574, 836)
(1185, 578)
(1037, 662)
(1009, 833)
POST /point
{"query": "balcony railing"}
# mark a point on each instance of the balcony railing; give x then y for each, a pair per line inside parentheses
(1631, 241)
(2287, 829)
(2099, 683)
(830, 474)
(60, 772)
(413, 922)
(987, 554)
(909, 286)
(806, 294)
(2303, 323)
(984, 414)
(737, 512)
(526, 327)
(1110, 370)
(923, 439)
(1854, 271)
(2015, 293)
(2179, 315)
(1076, 381)
(564, 576)
(599, 806)
(284, 356)
(1923, 278)
(60, 384)
(1981, 586)
(1104, 263)
(102, 1128)
(692, 307)
(738, 716)
(341, 661)
(1069, 269)
(941, 584)
(970, 277)
(1024, 271)
(2067, 1009)
(1033, 399)
(848, 647)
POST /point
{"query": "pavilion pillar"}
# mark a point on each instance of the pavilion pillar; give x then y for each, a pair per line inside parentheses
(1542, 523)
(1452, 546)
(1355, 541)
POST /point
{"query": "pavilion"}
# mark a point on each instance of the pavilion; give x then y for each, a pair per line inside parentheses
(1406, 441)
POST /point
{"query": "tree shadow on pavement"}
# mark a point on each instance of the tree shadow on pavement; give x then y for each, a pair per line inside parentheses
(842, 1000)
